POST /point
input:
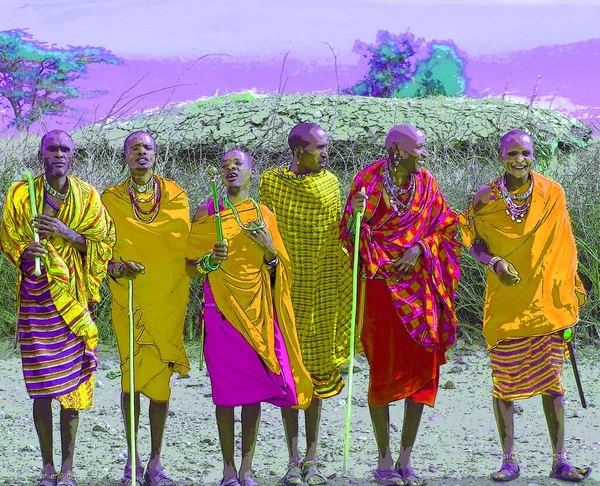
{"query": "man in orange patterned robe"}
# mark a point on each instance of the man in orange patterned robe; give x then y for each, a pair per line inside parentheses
(410, 271)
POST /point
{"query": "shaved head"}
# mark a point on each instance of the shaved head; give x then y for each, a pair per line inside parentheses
(515, 137)
(51, 134)
(303, 134)
(138, 132)
(405, 136)
(240, 155)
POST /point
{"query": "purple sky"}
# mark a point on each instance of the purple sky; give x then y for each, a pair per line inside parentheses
(164, 37)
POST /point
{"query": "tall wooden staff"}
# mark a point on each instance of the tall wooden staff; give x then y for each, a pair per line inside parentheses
(567, 335)
(36, 236)
(355, 266)
(213, 173)
(131, 387)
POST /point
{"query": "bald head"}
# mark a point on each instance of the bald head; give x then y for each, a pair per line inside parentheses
(238, 154)
(303, 134)
(52, 135)
(405, 136)
(138, 134)
(515, 138)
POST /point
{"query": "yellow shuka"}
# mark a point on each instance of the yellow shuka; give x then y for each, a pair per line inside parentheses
(543, 251)
(308, 213)
(74, 278)
(160, 295)
(242, 290)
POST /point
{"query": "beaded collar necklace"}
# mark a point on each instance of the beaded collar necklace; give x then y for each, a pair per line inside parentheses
(516, 211)
(247, 227)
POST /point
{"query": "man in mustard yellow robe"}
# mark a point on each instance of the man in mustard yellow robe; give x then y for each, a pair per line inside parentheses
(518, 225)
(152, 221)
(56, 328)
(247, 314)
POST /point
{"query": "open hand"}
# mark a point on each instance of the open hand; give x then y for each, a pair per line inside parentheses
(405, 263)
(34, 250)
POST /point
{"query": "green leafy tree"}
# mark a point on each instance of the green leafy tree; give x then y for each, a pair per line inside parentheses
(402, 66)
(389, 64)
(36, 79)
(440, 74)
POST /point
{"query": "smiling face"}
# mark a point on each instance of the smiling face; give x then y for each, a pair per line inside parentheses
(406, 145)
(237, 170)
(56, 154)
(140, 153)
(516, 154)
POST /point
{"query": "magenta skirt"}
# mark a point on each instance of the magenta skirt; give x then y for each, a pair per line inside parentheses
(237, 374)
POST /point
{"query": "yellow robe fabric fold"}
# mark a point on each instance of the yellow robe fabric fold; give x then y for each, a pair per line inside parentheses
(543, 251)
(74, 278)
(160, 295)
(242, 290)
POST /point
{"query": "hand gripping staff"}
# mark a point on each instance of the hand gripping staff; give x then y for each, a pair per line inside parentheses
(215, 196)
(131, 387)
(355, 265)
(567, 335)
(36, 236)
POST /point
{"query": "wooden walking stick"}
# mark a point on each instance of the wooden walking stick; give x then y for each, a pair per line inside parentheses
(567, 335)
(36, 236)
(355, 265)
(131, 387)
(213, 173)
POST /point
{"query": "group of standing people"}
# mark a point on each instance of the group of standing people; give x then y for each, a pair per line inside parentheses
(278, 292)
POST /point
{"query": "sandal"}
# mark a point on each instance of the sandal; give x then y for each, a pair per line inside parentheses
(139, 476)
(248, 482)
(506, 473)
(230, 482)
(293, 474)
(561, 469)
(158, 479)
(48, 479)
(66, 479)
(409, 476)
(311, 473)
(388, 478)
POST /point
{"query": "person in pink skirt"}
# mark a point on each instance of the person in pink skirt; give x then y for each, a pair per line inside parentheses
(251, 345)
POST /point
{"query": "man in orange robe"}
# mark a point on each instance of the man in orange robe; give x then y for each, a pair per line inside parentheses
(153, 223)
(251, 348)
(518, 225)
(410, 271)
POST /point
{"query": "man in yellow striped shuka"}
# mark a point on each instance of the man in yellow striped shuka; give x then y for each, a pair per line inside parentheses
(305, 199)
(518, 225)
(56, 328)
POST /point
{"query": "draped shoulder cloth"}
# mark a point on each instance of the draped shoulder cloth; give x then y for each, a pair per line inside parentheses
(74, 278)
(428, 222)
(543, 251)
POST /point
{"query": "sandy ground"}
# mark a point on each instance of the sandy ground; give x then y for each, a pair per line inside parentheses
(457, 442)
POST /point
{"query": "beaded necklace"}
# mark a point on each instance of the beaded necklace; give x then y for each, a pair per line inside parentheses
(138, 188)
(50, 203)
(291, 175)
(54, 192)
(138, 213)
(516, 211)
(247, 227)
(394, 191)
